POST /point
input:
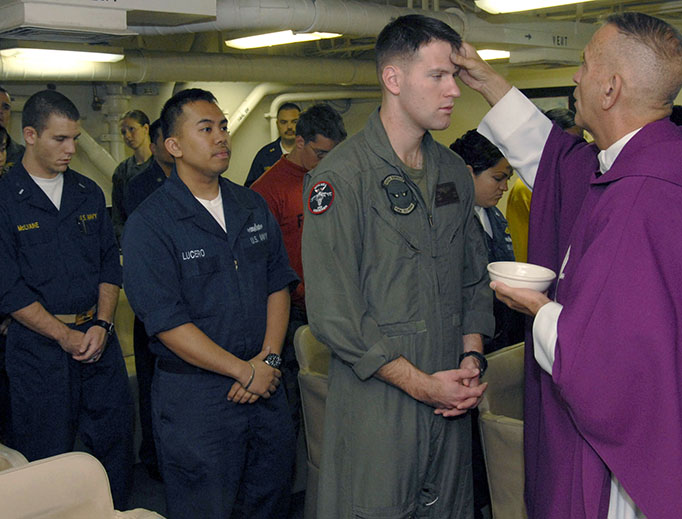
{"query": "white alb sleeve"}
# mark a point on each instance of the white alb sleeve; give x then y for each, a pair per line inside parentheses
(520, 130)
(545, 334)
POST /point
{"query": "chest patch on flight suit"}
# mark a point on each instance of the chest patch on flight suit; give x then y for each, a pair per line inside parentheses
(446, 194)
(399, 194)
(321, 197)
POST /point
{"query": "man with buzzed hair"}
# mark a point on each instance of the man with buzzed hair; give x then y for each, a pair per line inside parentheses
(396, 286)
(603, 433)
(207, 273)
(60, 282)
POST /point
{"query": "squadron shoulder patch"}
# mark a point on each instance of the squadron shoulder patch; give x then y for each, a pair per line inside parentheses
(399, 194)
(321, 197)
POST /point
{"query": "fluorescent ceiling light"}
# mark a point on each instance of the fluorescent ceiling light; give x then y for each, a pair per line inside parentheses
(60, 56)
(512, 6)
(278, 38)
(491, 54)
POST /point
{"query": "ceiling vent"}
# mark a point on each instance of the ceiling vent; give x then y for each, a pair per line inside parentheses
(94, 21)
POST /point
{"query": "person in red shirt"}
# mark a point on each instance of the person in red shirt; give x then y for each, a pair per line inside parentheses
(318, 130)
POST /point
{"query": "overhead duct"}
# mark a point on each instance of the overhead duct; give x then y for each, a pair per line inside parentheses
(146, 66)
(93, 21)
(341, 16)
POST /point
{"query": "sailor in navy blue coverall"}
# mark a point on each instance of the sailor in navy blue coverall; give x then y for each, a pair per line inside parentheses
(60, 282)
(213, 290)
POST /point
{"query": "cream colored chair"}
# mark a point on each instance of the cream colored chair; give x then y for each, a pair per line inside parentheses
(313, 360)
(68, 486)
(10, 458)
(501, 425)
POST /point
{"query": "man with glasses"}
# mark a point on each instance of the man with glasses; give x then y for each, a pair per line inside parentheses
(318, 131)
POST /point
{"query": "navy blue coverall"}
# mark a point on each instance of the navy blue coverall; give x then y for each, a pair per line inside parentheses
(137, 190)
(181, 267)
(58, 258)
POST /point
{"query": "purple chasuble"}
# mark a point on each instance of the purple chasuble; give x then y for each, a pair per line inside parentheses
(614, 399)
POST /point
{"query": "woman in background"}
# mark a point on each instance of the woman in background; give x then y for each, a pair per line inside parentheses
(491, 172)
(135, 130)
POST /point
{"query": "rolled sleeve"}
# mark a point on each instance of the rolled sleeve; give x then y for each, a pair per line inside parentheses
(376, 357)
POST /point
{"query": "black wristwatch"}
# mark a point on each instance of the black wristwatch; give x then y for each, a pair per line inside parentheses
(109, 327)
(482, 361)
(273, 360)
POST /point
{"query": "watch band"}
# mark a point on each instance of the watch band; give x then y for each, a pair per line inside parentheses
(482, 361)
(109, 327)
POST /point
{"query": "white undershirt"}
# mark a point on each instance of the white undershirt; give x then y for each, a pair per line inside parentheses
(520, 130)
(485, 221)
(215, 207)
(52, 187)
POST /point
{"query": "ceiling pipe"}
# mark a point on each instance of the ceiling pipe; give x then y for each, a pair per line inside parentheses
(254, 97)
(142, 66)
(251, 101)
(100, 157)
(313, 96)
(349, 17)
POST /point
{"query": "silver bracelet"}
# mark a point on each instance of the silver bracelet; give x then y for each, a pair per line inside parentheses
(253, 374)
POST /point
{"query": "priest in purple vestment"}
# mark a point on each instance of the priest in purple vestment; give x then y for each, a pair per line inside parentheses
(603, 403)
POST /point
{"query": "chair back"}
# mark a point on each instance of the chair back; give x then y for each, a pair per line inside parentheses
(10, 458)
(313, 359)
(501, 426)
(67, 486)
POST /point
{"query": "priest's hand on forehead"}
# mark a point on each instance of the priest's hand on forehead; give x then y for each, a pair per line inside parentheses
(478, 74)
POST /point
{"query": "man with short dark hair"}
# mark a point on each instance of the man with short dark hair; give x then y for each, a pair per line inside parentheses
(15, 150)
(60, 283)
(602, 428)
(287, 117)
(206, 271)
(396, 286)
(319, 129)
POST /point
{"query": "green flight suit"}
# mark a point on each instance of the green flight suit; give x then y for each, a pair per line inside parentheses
(381, 283)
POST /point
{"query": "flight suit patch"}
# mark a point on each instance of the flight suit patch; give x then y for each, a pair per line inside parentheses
(321, 197)
(446, 194)
(399, 194)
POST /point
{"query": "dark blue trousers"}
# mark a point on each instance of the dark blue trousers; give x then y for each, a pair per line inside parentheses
(54, 398)
(214, 453)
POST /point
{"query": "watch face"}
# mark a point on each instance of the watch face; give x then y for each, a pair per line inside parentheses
(273, 360)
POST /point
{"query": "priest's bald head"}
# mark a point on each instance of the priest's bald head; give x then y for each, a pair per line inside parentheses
(630, 76)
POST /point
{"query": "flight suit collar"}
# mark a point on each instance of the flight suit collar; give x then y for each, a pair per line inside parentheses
(236, 210)
(379, 143)
(25, 189)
